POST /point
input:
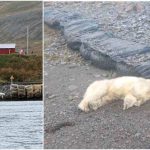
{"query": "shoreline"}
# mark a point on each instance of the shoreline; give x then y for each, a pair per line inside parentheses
(103, 48)
(16, 92)
(15, 100)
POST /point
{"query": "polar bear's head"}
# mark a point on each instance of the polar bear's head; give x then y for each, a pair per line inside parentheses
(84, 106)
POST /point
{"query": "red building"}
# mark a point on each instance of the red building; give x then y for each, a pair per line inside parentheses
(7, 48)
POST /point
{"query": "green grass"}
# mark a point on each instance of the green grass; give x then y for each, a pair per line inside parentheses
(25, 68)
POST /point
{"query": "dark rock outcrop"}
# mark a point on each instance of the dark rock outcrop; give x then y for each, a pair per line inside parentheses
(102, 48)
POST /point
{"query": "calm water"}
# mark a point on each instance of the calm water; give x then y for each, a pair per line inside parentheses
(21, 125)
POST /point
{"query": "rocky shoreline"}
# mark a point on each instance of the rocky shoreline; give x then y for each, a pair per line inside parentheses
(126, 20)
(5, 89)
(9, 96)
(104, 48)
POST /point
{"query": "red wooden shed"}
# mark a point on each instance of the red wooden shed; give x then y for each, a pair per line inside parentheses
(7, 48)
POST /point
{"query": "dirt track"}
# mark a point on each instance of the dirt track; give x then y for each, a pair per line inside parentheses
(66, 79)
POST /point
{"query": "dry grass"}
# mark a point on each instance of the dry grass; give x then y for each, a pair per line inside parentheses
(25, 68)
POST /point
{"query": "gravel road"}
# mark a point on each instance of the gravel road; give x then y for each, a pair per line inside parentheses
(67, 76)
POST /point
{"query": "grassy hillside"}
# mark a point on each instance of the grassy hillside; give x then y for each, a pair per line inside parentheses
(15, 16)
(25, 68)
(14, 7)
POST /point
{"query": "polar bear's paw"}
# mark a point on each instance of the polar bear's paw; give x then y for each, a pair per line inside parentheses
(129, 101)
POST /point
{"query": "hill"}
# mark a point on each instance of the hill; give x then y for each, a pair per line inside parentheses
(15, 16)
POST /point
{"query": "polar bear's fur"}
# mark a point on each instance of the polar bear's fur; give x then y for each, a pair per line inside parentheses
(134, 91)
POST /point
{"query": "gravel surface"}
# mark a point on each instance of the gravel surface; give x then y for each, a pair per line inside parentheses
(126, 20)
(67, 76)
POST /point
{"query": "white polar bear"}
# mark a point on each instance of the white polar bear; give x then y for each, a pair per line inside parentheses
(133, 90)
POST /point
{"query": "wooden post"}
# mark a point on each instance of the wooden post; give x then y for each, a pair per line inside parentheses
(27, 40)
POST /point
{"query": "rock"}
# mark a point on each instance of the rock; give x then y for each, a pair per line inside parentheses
(63, 63)
(73, 66)
(70, 98)
(71, 79)
(46, 95)
(96, 75)
(45, 73)
(105, 75)
(72, 87)
(52, 96)
(137, 135)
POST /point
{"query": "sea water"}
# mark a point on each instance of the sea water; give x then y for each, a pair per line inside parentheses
(21, 125)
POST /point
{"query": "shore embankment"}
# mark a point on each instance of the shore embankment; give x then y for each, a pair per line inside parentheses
(21, 91)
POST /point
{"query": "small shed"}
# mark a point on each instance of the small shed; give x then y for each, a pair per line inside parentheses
(7, 48)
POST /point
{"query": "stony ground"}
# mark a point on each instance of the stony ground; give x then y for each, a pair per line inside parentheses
(67, 76)
(126, 20)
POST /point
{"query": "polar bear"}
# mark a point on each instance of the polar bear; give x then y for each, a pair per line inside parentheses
(134, 91)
